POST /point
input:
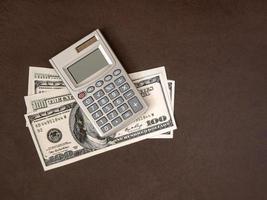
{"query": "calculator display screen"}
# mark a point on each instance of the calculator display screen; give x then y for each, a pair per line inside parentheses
(87, 66)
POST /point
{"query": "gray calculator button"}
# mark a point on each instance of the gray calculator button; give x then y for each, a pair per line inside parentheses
(99, 83)
(124, 87)
(135, 104)
(128, 94)
(116, 121)
(120, 80)
(108, 78)
(113, 94)
(106, 128)
(97, 114)
(88, 101)
(127, 114)
(116, 72)
(109, 87)
(112, 115)
(118, 101)
(103, 101)
(92, 108)
(108, 108)
(122, 108)
(90, 89)
(98, 94)
(101, 121)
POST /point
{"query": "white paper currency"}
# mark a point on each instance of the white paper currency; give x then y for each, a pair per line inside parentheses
(168, 86)
(63, 135)
(43, 80)
(42, 101)
(171, 87)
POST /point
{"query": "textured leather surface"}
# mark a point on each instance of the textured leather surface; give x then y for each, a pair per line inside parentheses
(216, 53)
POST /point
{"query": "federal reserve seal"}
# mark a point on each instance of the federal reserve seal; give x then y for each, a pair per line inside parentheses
(54, 135)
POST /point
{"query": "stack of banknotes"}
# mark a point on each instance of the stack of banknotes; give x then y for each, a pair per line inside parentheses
(62, 134)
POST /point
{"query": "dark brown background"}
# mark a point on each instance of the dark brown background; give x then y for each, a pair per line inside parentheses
(216, 53)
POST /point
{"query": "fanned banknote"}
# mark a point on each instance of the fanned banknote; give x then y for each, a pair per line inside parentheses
(62, 134)
(43, 80)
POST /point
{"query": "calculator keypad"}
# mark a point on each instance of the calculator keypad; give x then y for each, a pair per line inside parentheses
(127, 114)
(92, 108)
(122, 108)
(99, 83)
(119, 80)
(124, 87)
(90, 89)
(116, 72)
(113, 94)
(101, 121)
(81, 95)
(113, 102)
(108, 108)
(109, 87)
(97, 114)
(128, 94)
(98, 94)
(135, 104)
(112, 115)
(103, 101)
(108, 78)
(106, 128)
(116, 121)
(88, 101)
(118, 101)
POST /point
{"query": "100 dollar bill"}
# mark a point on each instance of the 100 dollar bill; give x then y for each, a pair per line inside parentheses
(43, 80)
(62, 134)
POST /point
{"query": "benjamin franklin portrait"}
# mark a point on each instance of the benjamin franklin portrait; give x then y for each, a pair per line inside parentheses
(84, 132)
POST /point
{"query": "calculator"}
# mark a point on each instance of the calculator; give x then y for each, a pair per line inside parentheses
(99, 84)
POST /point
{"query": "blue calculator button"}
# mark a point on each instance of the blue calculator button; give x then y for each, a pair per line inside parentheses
(109, 87)
(118, 101)
(116, 72)
(108, 108)
(88, 101)
(106, 128)
(119, 80)
(108, 78)
(98, 94)
(90, 89)
(99, 83)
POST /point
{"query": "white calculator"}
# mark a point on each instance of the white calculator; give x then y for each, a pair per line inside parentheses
(99, 84)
